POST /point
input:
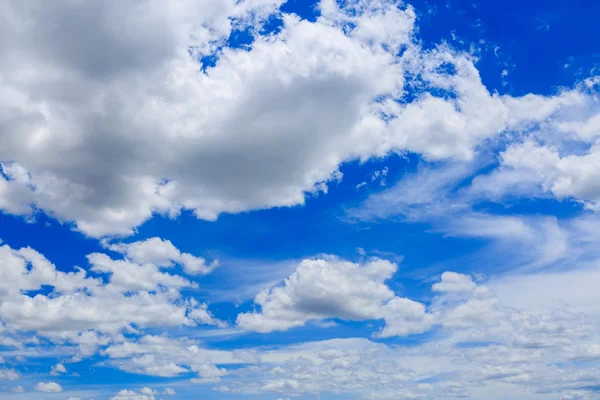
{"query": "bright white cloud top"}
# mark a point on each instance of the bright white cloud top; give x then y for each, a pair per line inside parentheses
(116, 112)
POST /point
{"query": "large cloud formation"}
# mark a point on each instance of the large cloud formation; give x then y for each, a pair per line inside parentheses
(107, 117)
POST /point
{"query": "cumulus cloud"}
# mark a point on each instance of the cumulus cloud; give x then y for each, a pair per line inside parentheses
(90, 312)
(163, 253)
(48, 387)
(565, 176)
(58, 369)
(453, 282)
(109, 141)
(217, 124)
(148, 391)
(333, 288)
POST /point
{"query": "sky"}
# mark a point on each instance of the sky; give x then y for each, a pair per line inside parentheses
(302, 199)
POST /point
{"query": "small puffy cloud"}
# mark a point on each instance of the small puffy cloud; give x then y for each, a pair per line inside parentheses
(17, 389)
(163, 253)
(169, 392)
(58, 369)
(405, 317)
(148, 391)
(453, 282)
(48, 387)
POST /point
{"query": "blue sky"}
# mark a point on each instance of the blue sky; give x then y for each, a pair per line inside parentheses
(299, 199)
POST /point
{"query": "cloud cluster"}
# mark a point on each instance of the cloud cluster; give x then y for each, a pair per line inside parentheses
(90, 312)
(488, 349)
(106, 141)
(48, 387)
(484, 345)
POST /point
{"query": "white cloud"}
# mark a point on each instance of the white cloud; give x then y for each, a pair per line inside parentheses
(126, 276)
(333, 288)
(200, 314)
(568, 176)
(163, 356)
(9, 374)
(246, 356)
(108, 312)
(48, 387)
(58, 369)
(163, 253)
(486, 349)
(26, 270)
(405, 317)
(205, 120)
(169, 392)
(131, 395)
(108, 141)
(85, 312)
(148, 391)
(453, 282)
